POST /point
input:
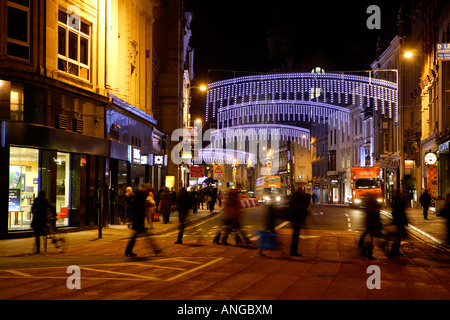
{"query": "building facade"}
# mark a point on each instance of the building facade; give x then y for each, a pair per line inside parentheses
(76, 108)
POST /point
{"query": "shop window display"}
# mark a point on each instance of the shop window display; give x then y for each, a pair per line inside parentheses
(62, 188)
(23, 186)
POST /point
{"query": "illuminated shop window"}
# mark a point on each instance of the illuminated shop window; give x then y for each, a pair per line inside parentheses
(23, 186)
(62, 188)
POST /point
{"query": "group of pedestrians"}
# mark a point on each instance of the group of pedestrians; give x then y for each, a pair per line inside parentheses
(374, 229)
(142, 207)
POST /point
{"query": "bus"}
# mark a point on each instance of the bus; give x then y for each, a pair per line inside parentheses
(268, 189)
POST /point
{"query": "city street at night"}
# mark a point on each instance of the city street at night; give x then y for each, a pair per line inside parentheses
(331, 266)
(224, 158)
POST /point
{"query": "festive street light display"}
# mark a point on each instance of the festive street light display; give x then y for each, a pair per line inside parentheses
(297, 97)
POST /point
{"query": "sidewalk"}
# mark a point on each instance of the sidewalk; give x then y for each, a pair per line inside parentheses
(433, 229)
(111, 233)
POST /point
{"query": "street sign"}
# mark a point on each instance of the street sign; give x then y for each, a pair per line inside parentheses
(218, 172)
(197, 172)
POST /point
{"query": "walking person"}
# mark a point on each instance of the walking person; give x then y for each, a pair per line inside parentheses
(232, 215)
(173, 197)
(138, 221)
(201, 196)
(194, 199)
(40, 219)
(165, 205)
(129, 197)
(220, 198)
(213, 192)
(399, 220)
(298, 209)
(373, 227)
(184, 204)
(425, 201)
(150, 207)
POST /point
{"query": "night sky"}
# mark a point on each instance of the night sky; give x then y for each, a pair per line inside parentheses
(232, 35)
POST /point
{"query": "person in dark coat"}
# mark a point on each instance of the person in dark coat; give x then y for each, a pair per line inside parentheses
(138, 220)
(173, 197)
(40, 219)
(373, 227)
(213, 193)
(399, 220)
(297, 213)
(184, 204)
(194, 199)
(425, 201)
(165, 205)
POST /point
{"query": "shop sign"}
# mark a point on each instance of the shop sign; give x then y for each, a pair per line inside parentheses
(144, 159)
(443, 51)
(430, 158)
(158, 159)
(409, 164)
(197, 171)
(443, 147)
(134, 155)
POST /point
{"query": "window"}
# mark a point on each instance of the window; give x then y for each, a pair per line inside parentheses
(16, 99)
(23, 186)
(19, 28)
(74, 40)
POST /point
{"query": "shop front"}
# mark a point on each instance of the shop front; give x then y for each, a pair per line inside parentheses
(71, 176)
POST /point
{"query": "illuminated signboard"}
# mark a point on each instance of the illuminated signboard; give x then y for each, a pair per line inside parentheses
(134, 155)
(430, 158)
(158, 159)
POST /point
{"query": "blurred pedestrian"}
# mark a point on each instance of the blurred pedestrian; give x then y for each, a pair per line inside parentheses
(150, 207)
(399, 221)
(313, 197)
(220, 198)
(138, 221)
(173, 197)
(184, 204)
(129, 198)
(165, 205)
(213, 195)
(232, 214)
(194, 199)
(270, 231)
(201, 196)
(40, 217)
(425, 201)
(297, 212)
(373, 227)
